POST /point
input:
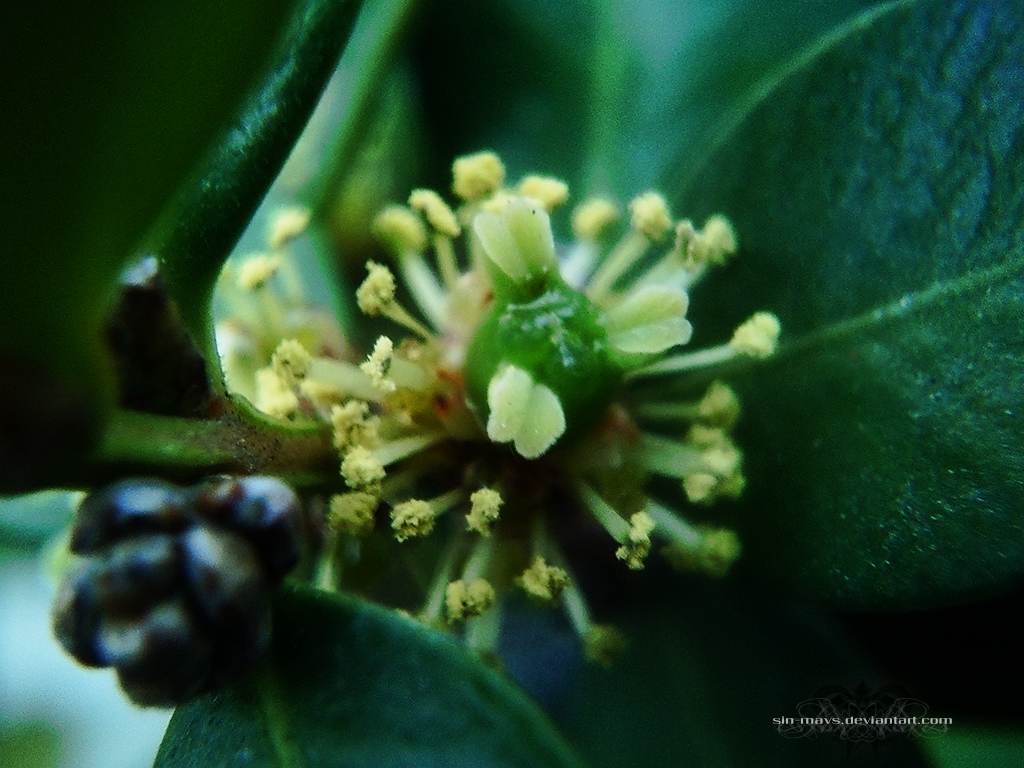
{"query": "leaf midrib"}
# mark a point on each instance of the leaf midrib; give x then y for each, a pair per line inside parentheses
(735, 117)
(274, 711)
(903, 308)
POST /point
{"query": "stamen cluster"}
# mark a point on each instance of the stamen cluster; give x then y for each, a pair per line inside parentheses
(512, 388)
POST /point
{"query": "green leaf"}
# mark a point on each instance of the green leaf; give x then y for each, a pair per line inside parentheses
(876, 190)
(976, 744)
(707, 669)
(348, 683)
(110, 106)
(602, 93)
(665, 71)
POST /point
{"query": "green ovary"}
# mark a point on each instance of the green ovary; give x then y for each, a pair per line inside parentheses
(557, 339)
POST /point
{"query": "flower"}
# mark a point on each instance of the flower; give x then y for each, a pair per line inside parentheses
(519, 394)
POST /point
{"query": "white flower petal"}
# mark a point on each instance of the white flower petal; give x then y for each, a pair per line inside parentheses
(650, 320)
(522, 411)
(652, 338)
(508, 394)
(518, 240)
(544, 423)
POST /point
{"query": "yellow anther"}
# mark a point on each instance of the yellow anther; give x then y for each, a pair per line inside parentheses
(412, 518)
(719, 239)
(465, 601)
(353, 425)
(376, 296)
(483, 512)
(361, 468)
(546, 190)
(287, 224)
(713, 554)
(650, 215)
(543, 582)
(711, 245)
(699, 486)
(400, 229)
(436, 210)
(758, 336)
(723, 459)
(719, 406)
(377, 293)
(638, 541)
(257, 270)
(476, 176)
(353, 512)
(378, 363)
(290, 361)
(705, 436)
(704, 486)
(274, 396)
(592, 216)
(731, 487)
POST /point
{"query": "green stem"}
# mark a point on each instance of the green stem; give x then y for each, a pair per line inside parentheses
(166, 445)
(240, 441)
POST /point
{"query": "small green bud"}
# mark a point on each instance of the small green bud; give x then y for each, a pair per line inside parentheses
(557, 339)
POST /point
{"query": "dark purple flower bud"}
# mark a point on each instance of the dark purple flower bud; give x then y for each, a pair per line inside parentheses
(127, 508)
(223, 575)
(172, 659)
(228, 588)
(265, 510)
(175, 591)
(76, 615)
(136, 573)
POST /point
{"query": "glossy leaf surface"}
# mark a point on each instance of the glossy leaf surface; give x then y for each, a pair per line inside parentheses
(349, 684)
(876, 188)
(602, 93)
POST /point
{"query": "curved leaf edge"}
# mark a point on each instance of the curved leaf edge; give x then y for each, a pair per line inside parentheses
(201, 228)
(295, 606)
